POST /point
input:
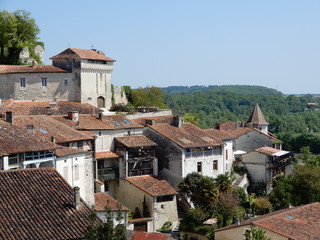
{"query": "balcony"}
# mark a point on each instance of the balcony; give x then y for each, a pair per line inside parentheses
(37, 158)
(202, 154)
(108, 173)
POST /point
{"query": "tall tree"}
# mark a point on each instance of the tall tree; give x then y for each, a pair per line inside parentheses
(149, 97)
(17, 30)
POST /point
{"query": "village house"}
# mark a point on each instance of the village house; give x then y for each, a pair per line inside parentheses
(105, 203)
(183, 148)
(265, 163)
(21, 149)
(295, 223)
(153, 196)
(79, 75)
(75, 160)
(39, 204)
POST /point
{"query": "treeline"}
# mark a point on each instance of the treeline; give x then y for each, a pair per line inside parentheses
(238, 89)
(288, 116)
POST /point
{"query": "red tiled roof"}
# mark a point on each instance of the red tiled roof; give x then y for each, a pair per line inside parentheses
(64, 151)
(296, 223)
(188, 135)
(135, 141)
(107, 154)
(53, 128)
(268, 150)
(76, 53)
(92, 122)
(37, 204)
(16, 140)
(219, 134)
(257, 117)
(6, 69)
(161, 119)
(229, 126)
(150, 236)
(47, 108)
(103, 199)
(154, 186)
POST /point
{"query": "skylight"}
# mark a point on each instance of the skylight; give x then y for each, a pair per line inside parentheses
(126, 121)
(290, 217)
(43, 131)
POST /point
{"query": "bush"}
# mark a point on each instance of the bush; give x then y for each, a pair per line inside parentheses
(262, 205)
(122, 108)
(165, 228)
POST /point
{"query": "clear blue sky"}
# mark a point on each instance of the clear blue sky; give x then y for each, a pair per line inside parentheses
(274, 43)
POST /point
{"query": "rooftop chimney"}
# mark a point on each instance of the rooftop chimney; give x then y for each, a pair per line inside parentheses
(9, 117)
(74, 116)
(33, 63)
(100, 116)
(150, 122)
(53, 139)
(30, 128)
(76, 197)
(177, 121)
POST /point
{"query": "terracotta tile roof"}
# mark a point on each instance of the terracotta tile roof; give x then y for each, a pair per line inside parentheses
(150, 236)
(37, 204)
(47, 108)
(229, 126)
(135, 141)
(268, 151)
(107, 154)
(49, 127)
(154, 186)
(76, 53)
(6, 69)
(162, 119)
(92, 122)
(296, 223)
(188, 135)
(16, 140)
(257, 117)
(64, 151)
(219, 134)
(103, 199)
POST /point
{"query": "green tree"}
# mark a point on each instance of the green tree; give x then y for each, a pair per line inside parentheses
(148, 97)
(256, 234)
(223, 182)
(281, 195)
(17, 30)
(97, 230)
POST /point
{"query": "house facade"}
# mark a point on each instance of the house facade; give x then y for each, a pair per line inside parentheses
(79, 75)
(183, 148)
(265, 163)
(158, 196)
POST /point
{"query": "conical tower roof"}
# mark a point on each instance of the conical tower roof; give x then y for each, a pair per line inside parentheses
(257, 117)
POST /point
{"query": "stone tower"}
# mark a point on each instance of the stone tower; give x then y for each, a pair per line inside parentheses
(257, 120)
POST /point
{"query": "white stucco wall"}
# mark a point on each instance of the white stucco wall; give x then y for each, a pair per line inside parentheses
(251, 141)
(190, 165)
(66, 166)
(10, 86)
(255, 164)
(107, 137)
(229, 158)
(160, 212)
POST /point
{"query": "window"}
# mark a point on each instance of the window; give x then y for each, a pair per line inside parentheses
(80, 145)
(65, 82)
(199, 167)
(22, 82)
(13, 159)
(44, 82)
(215, 164)
(65, 173)
(167, 198)
(76, 172)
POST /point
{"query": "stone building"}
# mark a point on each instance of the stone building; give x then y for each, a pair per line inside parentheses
(79, 75)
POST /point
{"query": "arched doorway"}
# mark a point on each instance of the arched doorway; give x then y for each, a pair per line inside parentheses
(100, 102)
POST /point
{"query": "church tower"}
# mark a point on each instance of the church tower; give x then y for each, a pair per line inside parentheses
(257, 120)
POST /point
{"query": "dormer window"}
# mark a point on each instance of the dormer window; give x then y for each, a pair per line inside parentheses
(22, 82)
(44, 82)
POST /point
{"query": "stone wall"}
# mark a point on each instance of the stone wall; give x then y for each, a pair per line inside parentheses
(252, 140)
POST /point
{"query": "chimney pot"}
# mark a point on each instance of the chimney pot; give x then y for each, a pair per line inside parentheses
(74, 116)
(9, 117)
(177, 121)
(33, 63)
(76, 197)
